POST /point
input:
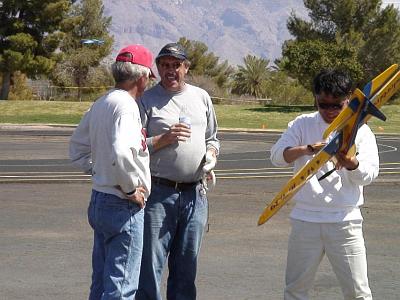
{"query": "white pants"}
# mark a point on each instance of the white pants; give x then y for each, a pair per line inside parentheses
(343, 244)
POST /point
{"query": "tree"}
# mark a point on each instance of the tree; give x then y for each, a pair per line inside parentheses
(250, 79)
(29, 35)
(283, 90)
(86, 23)
(304, 59)
(19, 88)
(357, 36)
(204, 63)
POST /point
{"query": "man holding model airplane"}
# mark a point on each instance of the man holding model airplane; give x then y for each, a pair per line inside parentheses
(326, 218)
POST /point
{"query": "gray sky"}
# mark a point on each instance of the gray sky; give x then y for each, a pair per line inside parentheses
(396, 3)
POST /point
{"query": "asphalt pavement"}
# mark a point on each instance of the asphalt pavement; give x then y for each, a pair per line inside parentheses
(45, 241)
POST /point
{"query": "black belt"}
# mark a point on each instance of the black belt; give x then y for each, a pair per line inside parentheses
(174, 184)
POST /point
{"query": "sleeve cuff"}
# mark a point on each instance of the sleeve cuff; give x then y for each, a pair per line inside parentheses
(213, 147)
(131, 193)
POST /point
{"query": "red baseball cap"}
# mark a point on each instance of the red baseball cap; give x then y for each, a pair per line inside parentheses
(137, 54)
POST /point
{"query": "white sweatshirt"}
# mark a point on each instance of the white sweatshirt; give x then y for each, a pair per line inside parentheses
(109, 144)
(339, 196)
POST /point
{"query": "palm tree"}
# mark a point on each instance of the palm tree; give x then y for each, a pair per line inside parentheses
(250, 78)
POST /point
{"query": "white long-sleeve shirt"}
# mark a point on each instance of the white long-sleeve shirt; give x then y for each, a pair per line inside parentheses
(110, 145)
(339, 196)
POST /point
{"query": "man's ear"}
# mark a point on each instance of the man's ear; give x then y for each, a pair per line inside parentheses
(186, 67)
(143, 79)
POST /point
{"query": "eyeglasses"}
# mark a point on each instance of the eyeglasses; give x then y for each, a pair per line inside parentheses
(175, 65)
(335, 106)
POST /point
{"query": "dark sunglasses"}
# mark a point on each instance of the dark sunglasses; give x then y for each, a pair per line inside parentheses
(334, 106)
(175, 65)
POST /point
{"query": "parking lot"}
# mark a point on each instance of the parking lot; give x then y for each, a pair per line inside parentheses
(45, 246)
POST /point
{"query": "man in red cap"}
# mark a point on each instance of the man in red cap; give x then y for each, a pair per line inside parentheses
(110, 145)
(182, 138)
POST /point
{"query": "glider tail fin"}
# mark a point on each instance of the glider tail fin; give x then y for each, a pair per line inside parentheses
(374, 111)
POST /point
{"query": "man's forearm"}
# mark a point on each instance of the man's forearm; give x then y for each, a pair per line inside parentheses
(158, 142)
(290, 154)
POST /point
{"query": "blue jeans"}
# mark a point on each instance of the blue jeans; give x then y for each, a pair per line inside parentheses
(174, 225)
(117, 246)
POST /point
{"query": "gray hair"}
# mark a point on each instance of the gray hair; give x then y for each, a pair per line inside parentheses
(123, 71)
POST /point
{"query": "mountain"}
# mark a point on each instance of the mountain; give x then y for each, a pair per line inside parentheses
(230, 28)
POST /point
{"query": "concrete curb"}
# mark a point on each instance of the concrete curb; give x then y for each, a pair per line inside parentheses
(35, 126)
(31, 127)
(55, 127)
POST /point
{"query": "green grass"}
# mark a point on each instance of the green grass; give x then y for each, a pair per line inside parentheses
(256, 116)
(392, 123)
(229, 116)
(48, 112)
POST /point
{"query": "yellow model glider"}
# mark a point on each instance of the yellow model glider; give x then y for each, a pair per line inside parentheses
(362, 106)
(369, 90)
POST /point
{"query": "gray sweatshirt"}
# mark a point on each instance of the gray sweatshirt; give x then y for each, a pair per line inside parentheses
(159, 110)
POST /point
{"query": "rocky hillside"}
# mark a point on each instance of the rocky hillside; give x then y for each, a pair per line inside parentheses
(231, 28)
